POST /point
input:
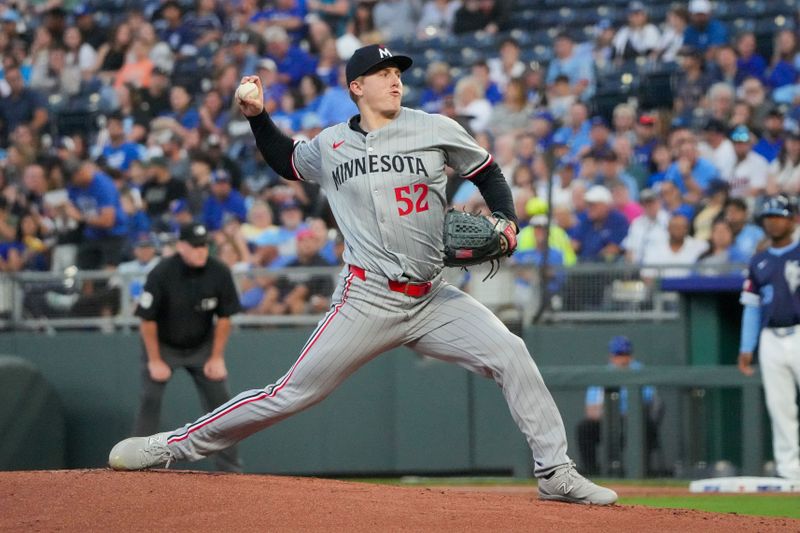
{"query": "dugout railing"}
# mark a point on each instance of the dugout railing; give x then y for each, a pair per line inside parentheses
(585, 292)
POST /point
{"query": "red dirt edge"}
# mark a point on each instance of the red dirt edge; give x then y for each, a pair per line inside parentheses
(161, 500)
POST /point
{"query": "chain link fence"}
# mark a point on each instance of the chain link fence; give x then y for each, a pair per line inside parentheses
(593, 292)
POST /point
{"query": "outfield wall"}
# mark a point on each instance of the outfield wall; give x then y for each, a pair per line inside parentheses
(400, 413)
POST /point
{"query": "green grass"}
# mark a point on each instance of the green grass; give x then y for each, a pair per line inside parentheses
(748, 504)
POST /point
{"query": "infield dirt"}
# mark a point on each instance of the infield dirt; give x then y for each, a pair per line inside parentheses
(163, 500)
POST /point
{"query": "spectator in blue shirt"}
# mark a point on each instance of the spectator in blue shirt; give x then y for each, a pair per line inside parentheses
(286, 14)
(438, 86)
(292, 62)
(579, 69)
(750, 62)
(601, 229)
(223, 201)
(620, 358)
(771, 141)
(575, 131)
(746, 236)
(783, 70)
(704, 33)
(119, 153)
(690, 172)
(95, 202)
(183, 112)
(171, 29)
(335, 105)
(672, 200)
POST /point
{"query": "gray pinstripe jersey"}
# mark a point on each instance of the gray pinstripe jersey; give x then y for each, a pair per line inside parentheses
(387, 188)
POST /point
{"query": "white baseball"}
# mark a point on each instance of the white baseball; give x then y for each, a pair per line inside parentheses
(246, 91)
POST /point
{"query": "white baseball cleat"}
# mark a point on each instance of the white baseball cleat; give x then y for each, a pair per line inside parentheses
(138, 453)
(565, 484)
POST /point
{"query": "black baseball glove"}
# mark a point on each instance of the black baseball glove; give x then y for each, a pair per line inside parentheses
(473, 239)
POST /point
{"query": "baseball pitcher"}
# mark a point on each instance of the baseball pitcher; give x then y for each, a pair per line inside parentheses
(383, 173)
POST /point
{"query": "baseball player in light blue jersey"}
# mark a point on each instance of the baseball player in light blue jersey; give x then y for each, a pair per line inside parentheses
(383, 173)
(771, 317)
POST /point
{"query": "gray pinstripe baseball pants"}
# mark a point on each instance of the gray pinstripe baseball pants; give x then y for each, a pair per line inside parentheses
(366, 320)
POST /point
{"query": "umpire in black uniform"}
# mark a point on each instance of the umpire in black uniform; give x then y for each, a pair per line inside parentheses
(181, 297)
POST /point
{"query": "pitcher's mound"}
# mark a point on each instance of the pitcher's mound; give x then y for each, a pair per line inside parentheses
(162, 500)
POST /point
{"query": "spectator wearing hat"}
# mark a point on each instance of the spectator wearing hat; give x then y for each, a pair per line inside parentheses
(691, 173)
(621, 358)
(22, 106)
(185, 311)
(671, 39)
(94, 201)
(579, 70)
(679, 249)
(647, 230)
(438, 85)
(240, 52)
(784, 171)
(704, 32)
(86, 23)
(601, 229)
(749, 177)
(772, 133)
(558, 239)
(646, 139)
(134, 272)
(638, 38)
(223, 200)
(159, 192)
(718, 148)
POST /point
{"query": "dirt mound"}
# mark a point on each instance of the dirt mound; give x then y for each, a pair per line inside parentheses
(102, 500)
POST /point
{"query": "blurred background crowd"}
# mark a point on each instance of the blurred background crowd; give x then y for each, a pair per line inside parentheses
(629, 133)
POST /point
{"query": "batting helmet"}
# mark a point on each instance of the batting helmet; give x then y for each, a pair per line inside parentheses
(620, 345)
(777, 206)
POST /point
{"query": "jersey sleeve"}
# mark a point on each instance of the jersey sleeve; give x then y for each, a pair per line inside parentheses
(307, 160)
(750, 295)
(152, 296)
(462, 152)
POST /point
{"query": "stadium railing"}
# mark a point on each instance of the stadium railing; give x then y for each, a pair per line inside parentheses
(584, 292)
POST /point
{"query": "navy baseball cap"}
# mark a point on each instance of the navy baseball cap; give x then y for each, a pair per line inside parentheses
(370, 57)
(620, 345)
(195, 234)
(777, 206)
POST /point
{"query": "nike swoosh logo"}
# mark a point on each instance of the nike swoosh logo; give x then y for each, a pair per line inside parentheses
(337, 145)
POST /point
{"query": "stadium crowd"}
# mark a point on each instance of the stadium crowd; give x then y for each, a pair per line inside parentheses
(117, 125)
